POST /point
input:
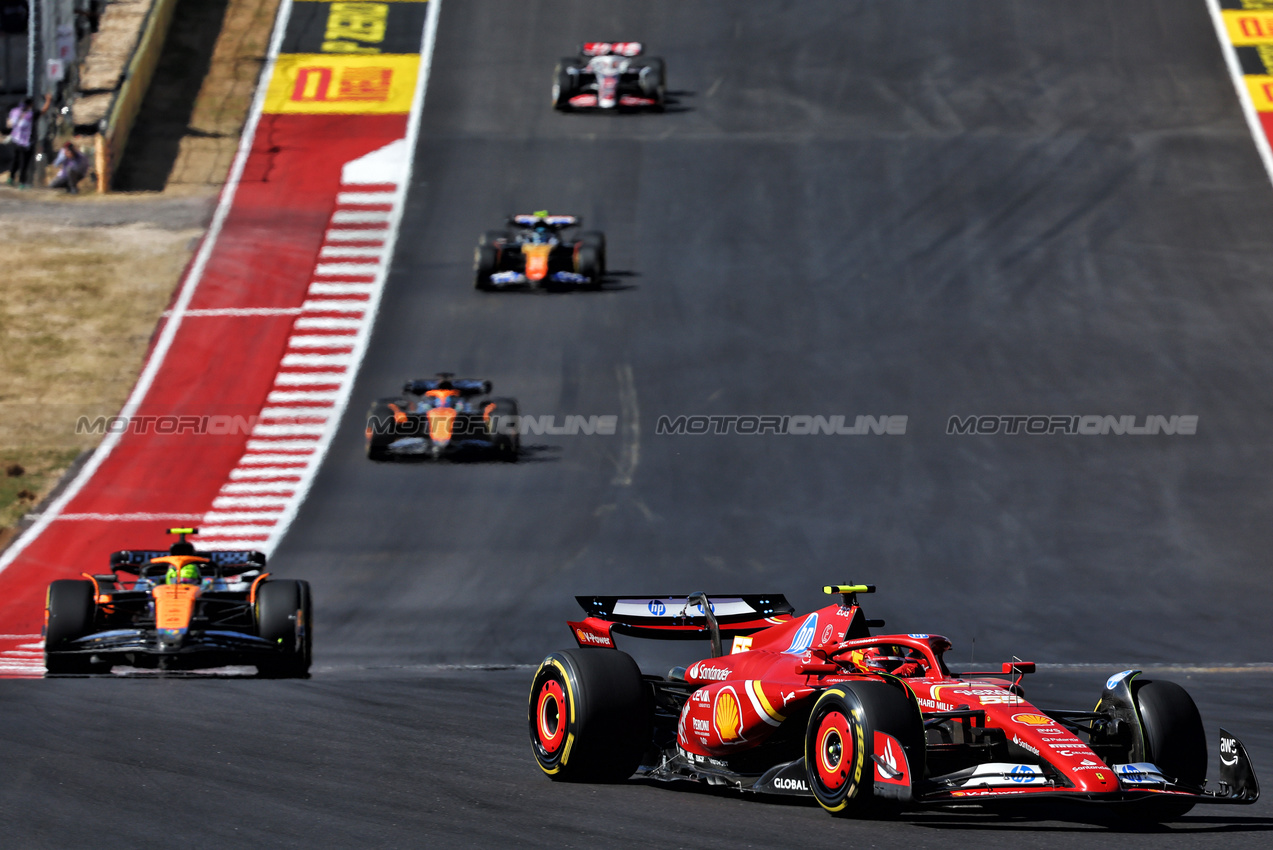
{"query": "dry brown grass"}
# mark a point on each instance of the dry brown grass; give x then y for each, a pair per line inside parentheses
(78, 310)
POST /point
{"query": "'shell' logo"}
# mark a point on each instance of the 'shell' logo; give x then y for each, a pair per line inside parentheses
(727, 715)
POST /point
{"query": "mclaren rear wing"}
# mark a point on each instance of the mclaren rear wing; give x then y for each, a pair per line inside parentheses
(678, 617)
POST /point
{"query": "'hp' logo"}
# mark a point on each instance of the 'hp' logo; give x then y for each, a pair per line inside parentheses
(657, 608)
(1021, 773)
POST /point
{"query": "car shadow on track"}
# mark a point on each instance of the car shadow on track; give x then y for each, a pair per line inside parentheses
(526, 454)
(1042, 818)
(608, 284)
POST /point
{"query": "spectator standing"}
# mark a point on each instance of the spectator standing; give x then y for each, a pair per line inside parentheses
(21, 136)
(71, 167)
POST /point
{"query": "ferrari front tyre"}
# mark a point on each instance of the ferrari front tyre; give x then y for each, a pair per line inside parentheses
(839, 742)
(69, 612)
(282, 621)
(590, 715)
(1175, 742)
(485, 264)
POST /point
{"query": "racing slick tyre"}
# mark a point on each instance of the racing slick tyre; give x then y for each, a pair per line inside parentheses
(485, 264)
(563, 85)
(839, 743)
(590, 715)
(597, 240)
(70, 608)
(382, 427)
(588, 264)
(1175, 741)
(282, 618)
(653, 81)
(507, 440)
(490, 237)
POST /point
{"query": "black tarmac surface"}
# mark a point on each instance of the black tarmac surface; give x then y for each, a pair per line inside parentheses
(920, 209)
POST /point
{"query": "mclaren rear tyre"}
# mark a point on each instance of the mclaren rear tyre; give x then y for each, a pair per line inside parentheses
(588, 264)
(839, 743)
(597, 240)
(282, 618)
(563, 85)
(70, 609)
(485, 264)
(507, 439)
(1175, 741)
(590, 715)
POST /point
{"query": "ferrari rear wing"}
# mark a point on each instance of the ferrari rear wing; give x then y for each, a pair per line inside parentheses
(678, 617)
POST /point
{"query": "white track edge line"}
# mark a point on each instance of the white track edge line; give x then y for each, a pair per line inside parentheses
(1230, 51)
(169, 332)
(373, 308)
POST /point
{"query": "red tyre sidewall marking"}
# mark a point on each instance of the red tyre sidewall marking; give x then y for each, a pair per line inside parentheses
(552, 700)
(832, 725)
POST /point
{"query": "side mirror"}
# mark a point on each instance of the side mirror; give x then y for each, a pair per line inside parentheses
(1014, 667)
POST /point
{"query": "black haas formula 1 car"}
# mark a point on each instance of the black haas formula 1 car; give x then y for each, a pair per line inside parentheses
(447, 419)
(610, 76)
(816, 705)
(535, 253)
(179, 610)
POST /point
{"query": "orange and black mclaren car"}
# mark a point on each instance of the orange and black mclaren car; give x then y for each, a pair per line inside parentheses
(443, 417)
(537, 253)
(180, 609)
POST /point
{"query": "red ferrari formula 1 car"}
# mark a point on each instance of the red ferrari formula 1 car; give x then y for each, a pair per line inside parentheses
(816, 705)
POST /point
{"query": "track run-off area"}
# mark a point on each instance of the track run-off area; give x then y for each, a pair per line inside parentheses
(920, 209)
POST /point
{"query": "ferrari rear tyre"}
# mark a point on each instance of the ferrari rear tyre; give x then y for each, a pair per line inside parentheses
(70, 608)
(507, 440)
(1175, 741)
(590, 715)
(839, 742)
(282, 619)
(485, 264)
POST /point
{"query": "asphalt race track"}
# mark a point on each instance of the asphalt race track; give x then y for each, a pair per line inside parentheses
(921, 209)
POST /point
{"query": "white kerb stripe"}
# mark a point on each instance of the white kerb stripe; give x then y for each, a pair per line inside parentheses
(259, 518)
(278, 460)
(295, 414)
(257, 473)
(266, 445)
(317, 360)
(320, 306)
(232, 530)
(320, 288)
(325, 323)
(329, 269)
(249, 502)
(377, 254)
(295, 430)
(280, 397)
(336, 340)
(346, 235)
(366, 197)
(361, 217)
(301, 379)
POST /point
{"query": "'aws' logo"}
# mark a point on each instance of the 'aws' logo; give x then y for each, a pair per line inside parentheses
(804, 636)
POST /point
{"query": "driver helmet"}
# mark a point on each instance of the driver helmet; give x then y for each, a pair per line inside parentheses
(187, 574)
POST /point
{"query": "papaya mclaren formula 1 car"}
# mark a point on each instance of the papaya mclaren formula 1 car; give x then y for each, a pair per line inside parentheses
(818, 706)
(536, 253)
(610, 76)
(447, 419)
(228, 611)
